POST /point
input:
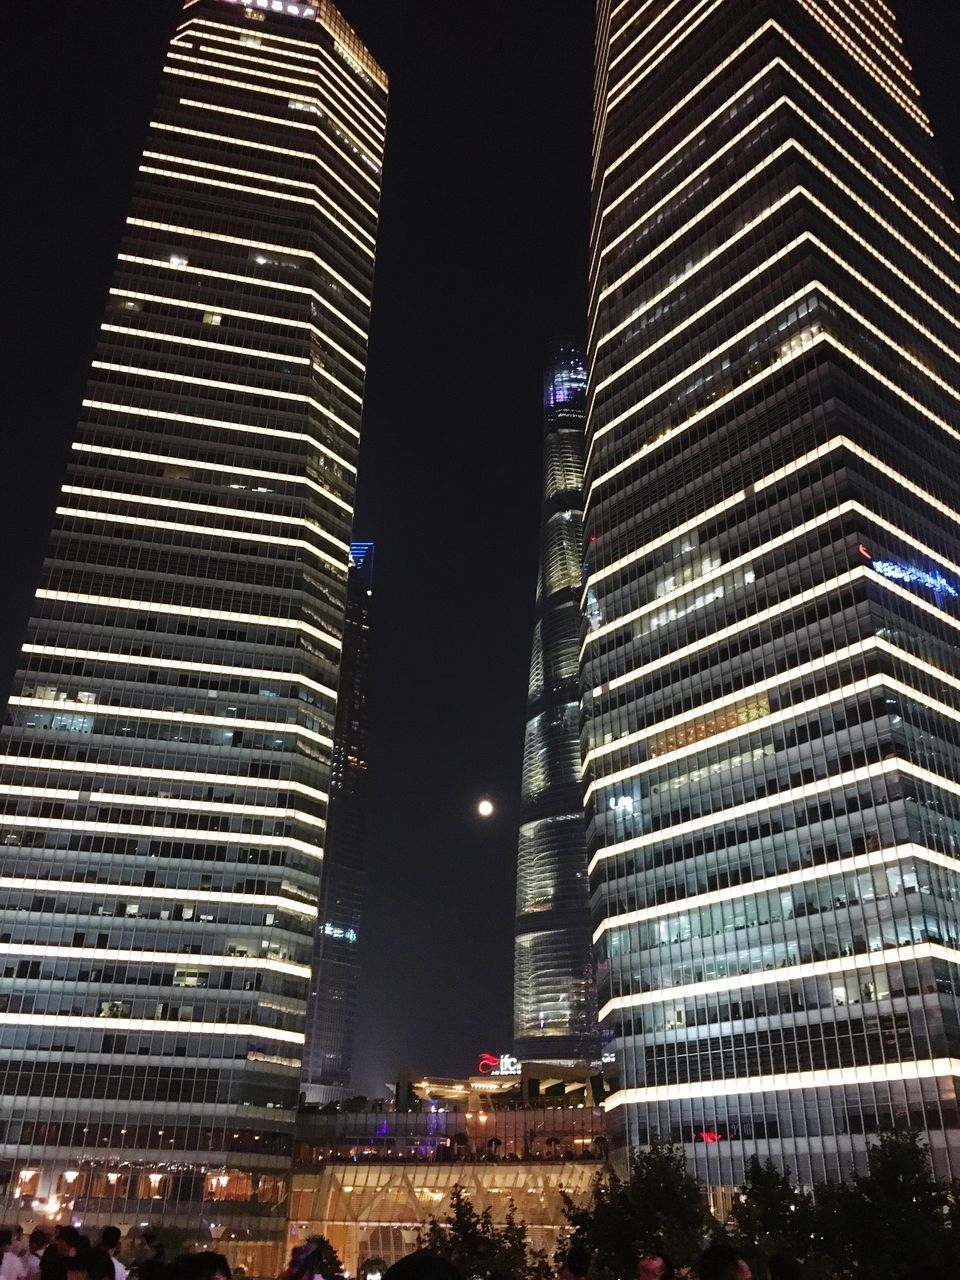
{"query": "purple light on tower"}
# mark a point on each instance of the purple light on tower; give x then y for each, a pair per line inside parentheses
(567, 379)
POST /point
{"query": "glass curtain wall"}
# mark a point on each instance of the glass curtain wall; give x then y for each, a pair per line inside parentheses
(771, 666)
(166, 752)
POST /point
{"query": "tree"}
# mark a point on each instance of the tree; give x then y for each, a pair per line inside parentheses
(478, 1248)
(771, 1214)
(659, 1206)
(892, 1220)
(324, 1260)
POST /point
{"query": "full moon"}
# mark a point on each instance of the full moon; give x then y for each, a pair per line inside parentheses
(485, 808)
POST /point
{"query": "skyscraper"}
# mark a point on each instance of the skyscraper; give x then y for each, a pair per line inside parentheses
(771, 665)
(554, 1011)
(166, 753)
(332, 1008)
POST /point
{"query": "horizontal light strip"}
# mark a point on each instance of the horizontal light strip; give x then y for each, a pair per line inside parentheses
(762, 549)
(803, 294)
(743, 694)
(199, 960)
(183, 717)
(789, 973)
(314, 92)
(176, 835)
(172, 803)
(208, 273)
(833, 1078)
(228, 140)
(201, 530)
(621, 31)
(673, 39)
(281, 321)
(321, 93)
(852, 777)
(785, 606)
(791, 144)
(79, 1022)
(782, 101)
(883, 80)
(309, 50)
(722, 570)
(715, 637)
(776, 883)
(778, 204)
(229, 83)
(697, 93)
(331, 71)
(752, 808)
(216, 384)
(223, 184)
(195, 233)
(300, 522)
(172, 775)
(250, 473)
(758, 486)
(152, 606)
(115, 659)
(156, 335)
(824, 336)
(738, 287)
(729, 397)
(877, 681)
(77, 888)
(861, 31)
(862, 647)
(163, 415)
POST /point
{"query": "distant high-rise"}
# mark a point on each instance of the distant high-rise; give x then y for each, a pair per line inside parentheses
(332, 1008)
(554, 1012)
(165, 760)
(771, 664)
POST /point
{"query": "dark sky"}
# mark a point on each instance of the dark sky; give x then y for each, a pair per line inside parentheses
(481, 263)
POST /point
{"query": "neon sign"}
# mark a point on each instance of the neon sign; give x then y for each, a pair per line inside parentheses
(279, 6)
(504, 1064)
(915, 577)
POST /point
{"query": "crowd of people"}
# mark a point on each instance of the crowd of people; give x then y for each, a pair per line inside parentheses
(66, 1254)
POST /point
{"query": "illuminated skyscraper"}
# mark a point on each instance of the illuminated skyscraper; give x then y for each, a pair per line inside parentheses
(771, 663)
(166, 755)
(332, 1008)
(554, 1012)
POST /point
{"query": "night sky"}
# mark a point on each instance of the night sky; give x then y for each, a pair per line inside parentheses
(481, 264)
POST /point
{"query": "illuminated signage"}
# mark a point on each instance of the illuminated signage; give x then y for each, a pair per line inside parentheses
(490, 1064)
(277, 6)
(912, 574)
(334, 931)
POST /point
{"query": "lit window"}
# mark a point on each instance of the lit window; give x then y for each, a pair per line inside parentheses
(212, 317)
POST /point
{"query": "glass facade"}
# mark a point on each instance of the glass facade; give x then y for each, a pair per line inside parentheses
(332, 1007)
(166, 752)
(554, 1006)
(771, 665)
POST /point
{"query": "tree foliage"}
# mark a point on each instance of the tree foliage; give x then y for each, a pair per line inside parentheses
(891, 1221)
(324, 1261)
(771, 1214)
(660, 1205)
(894, 1222)
(478, 1248)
